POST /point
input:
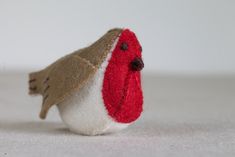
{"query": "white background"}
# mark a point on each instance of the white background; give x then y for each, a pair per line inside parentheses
(178, 37)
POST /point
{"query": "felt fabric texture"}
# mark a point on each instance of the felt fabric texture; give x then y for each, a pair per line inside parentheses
(122, 92)
(70, 73)
(84, 111)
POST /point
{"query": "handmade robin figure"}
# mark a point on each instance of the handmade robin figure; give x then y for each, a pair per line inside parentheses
(97, 89)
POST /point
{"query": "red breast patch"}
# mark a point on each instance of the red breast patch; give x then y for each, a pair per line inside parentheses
(122, 91)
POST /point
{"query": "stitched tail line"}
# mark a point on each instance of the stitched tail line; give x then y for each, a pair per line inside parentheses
(33, 83)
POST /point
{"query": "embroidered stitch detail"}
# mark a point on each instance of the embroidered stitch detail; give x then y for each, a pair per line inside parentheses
(87, 61)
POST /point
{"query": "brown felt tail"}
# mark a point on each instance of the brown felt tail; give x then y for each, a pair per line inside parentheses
(34, 83)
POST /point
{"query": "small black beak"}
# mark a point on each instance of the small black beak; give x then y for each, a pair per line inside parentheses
(137, 64)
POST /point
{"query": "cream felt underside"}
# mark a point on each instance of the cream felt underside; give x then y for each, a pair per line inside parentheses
(84, 111)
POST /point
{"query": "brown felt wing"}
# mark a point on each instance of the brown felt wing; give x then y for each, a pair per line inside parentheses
(70, 73)
(67, 75)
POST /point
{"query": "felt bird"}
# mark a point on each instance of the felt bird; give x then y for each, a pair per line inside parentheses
(97, 89)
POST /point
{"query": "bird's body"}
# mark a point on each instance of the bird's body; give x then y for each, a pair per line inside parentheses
(101, 98)
(84, 111)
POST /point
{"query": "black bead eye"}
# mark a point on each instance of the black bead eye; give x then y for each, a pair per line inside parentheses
(124, 46)
(140, 48)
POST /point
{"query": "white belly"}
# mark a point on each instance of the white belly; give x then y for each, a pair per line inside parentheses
(84, 112)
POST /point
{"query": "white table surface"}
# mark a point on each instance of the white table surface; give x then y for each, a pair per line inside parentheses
(183, 116)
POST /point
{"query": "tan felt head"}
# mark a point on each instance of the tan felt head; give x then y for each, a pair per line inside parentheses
(71, 72)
